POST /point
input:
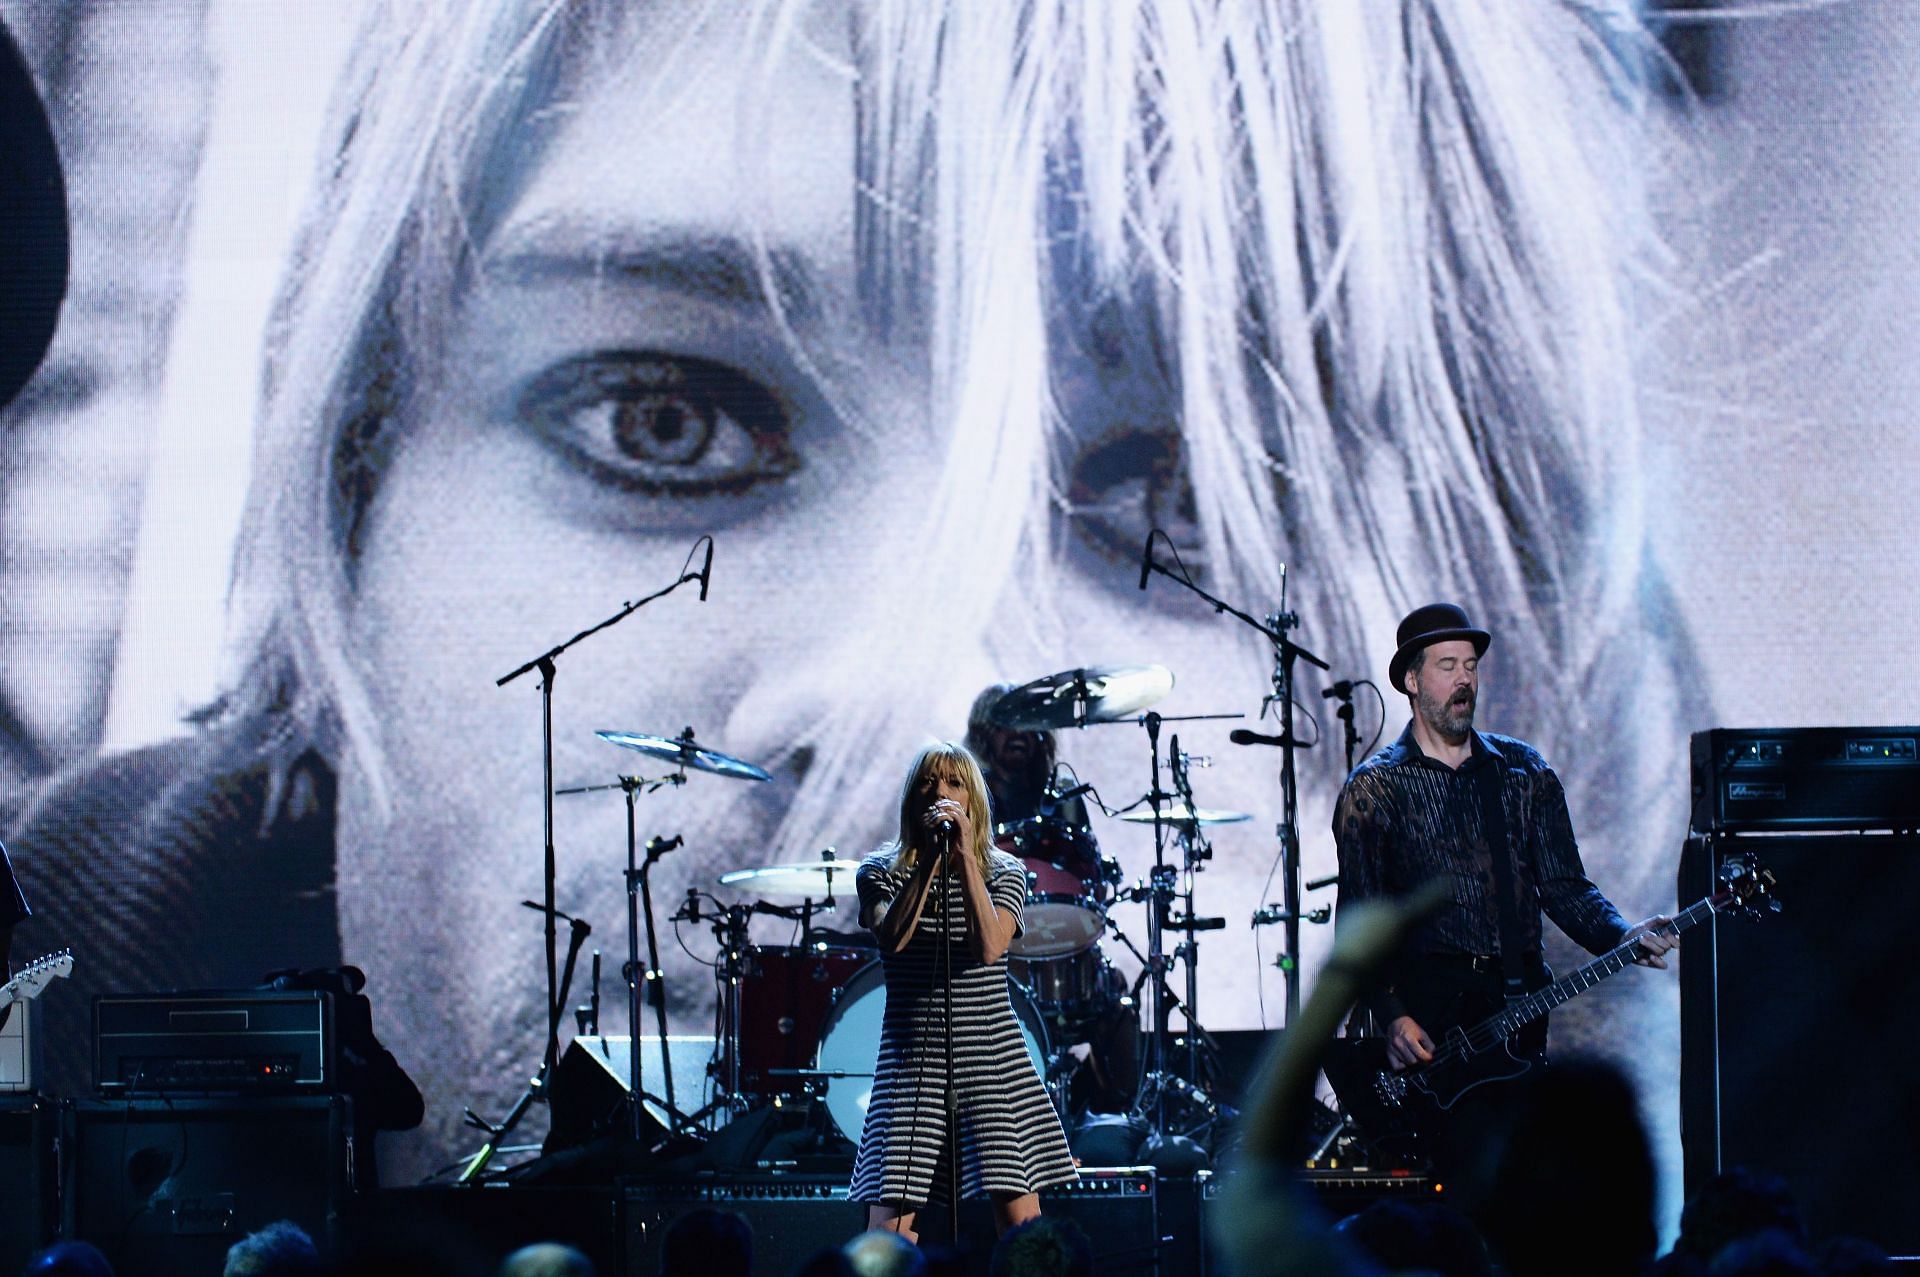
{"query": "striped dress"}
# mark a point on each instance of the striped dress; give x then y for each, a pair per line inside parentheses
(1010, 1139)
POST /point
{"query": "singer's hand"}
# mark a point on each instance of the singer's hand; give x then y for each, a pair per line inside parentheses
(951, 810)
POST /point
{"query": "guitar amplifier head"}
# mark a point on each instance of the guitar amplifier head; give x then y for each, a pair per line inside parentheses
(257, 1040)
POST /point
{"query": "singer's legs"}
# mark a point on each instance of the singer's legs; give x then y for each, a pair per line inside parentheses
(1011, 1212)
(893, 1220)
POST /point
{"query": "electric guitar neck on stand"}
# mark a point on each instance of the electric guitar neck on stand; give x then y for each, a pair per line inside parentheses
(31, 979)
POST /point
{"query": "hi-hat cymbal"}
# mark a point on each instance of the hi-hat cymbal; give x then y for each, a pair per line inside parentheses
(1074, 698)
(682, 751)
(1181, 814)
(813, 879)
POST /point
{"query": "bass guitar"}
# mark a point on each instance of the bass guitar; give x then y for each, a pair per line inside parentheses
(1389, 1104)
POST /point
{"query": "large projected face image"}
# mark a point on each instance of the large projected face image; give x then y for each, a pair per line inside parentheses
(928, 318)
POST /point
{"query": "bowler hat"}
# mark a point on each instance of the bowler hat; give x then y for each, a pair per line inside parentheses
(1434, 623)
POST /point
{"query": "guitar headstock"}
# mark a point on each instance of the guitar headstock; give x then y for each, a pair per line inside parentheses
(1747, 886)
(38, 974)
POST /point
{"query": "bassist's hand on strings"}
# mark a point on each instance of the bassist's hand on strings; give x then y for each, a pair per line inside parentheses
(1407, 1043)
(1655, 936)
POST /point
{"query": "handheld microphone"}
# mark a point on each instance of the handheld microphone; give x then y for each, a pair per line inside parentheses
(706, 571)
(947, 827)
(1146, 560)
(1342, 689)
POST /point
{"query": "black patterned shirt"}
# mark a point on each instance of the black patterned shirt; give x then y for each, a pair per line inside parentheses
(1404, 818)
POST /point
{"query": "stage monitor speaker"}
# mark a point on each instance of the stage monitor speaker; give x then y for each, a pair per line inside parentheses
(588, 1096)
(165, 1186)
(28, 1201)
(1797, 1038)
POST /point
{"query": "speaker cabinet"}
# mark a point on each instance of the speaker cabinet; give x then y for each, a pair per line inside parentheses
(166, 1186)
(28, 1201)
(792, 1216)
(1798, 1040)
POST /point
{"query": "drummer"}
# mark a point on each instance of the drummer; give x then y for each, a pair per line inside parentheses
(1019, 766)
(1019, 770)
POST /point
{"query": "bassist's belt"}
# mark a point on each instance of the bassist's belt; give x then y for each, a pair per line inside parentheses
(1478, 963)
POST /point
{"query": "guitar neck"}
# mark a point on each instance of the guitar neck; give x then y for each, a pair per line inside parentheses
(1521, 1012)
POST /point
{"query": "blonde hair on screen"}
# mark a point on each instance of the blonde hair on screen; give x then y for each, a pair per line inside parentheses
(1387, 253)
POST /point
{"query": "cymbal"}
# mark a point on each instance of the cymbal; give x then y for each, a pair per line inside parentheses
(1074, 698)
(681, 751)
(1179, 814)
(815, 879)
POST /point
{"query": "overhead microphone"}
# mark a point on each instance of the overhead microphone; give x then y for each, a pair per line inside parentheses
(1146, 559)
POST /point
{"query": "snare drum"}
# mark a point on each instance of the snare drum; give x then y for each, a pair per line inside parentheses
(1066, 904)
(785, 998)
(850, 1044)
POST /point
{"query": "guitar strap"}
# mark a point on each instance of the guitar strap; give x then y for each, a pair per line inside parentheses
(1493, 824)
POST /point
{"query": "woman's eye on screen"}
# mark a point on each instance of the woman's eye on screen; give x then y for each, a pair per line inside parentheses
(663, 425)
(1124, 485)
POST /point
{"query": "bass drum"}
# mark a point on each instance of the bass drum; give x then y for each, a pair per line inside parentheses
(850, 1044)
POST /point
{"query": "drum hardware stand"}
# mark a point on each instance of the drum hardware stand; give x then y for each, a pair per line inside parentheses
(1157, 1080)
(1275, 628)
(545, 664)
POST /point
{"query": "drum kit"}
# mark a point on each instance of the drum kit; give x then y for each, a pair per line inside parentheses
(797, 1026)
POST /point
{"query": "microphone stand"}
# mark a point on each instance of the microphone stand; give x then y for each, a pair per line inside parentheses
(1350, 735)
(1275, 628)
(637, 881)
(545, 664)
(953, 1093)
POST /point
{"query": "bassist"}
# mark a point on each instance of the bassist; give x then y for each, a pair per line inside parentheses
(1487, 817)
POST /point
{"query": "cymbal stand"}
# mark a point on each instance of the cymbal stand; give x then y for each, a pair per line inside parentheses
(1160, 894)
(1194, 849)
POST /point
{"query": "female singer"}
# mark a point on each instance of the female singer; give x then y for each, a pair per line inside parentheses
(942, 876)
